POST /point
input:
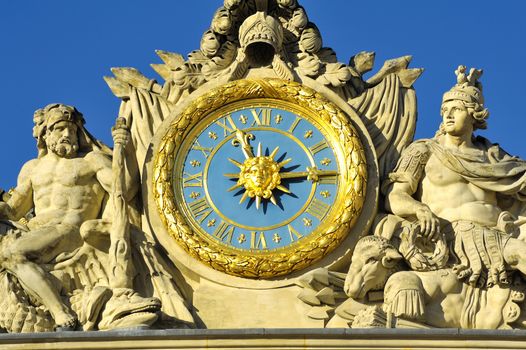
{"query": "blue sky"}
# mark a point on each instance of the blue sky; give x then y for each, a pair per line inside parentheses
(59, 50)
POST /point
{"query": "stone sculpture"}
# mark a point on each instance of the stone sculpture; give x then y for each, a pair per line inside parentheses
(427, 298)
(449, 252)
(261, 38)
(255, 39)
(66, 248)
(463, 187)
(78, 236)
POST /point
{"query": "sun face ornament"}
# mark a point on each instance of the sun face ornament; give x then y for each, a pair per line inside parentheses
(259, 174)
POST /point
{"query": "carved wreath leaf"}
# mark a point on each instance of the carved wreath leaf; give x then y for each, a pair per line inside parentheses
(197, 57)
(326, 54)
(336, 74)
(188, 76)
(213, 67)
(308, 65)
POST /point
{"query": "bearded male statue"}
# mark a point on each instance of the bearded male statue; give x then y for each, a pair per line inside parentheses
(66, 185)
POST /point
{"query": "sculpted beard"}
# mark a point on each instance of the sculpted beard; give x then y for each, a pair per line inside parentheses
(63, 147)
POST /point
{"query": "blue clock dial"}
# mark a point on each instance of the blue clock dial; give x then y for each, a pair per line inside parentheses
(259, 178)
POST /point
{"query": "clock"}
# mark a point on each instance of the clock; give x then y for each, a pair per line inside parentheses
(260, 178)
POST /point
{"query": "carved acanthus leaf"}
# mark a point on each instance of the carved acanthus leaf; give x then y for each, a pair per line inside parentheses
(238, 69)
(188, 76)
(336, 74)
(409, 76)
(216, 65)
(172, 60)
(163, 70)
(197, 57)
(310, 39)
(282, 69)
(362, 62)
(327, 55)
(135, 78)
(308, 65)
(394, 65)
(119, 89)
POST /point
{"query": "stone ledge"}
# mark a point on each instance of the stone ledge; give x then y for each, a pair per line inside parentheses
(268, 339)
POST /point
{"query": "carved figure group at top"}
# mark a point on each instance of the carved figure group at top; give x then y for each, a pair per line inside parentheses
(273, 39)
(454, 206)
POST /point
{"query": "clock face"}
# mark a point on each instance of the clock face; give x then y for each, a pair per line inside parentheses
(259, 178)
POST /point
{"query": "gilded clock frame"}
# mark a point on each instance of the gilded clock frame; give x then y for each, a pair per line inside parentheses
(271, 263)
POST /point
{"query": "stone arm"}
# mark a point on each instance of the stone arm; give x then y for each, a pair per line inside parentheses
(104, 169)
(21, 200)
(400, 201)
(123, 167)
(402, 186)
(101, 164)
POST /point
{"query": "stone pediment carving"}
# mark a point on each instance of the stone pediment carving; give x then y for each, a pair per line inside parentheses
(276, 39)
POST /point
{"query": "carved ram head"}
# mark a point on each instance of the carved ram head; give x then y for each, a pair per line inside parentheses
(373, 261)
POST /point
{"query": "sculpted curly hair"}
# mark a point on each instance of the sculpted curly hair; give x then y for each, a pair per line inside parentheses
(479, 113)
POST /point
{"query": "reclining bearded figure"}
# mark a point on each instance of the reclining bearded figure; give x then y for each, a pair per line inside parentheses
(72, 189)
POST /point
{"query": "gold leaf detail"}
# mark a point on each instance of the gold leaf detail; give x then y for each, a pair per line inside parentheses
(313, 247)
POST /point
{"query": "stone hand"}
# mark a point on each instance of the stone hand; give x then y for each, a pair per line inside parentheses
(120, 132)
(428, 222)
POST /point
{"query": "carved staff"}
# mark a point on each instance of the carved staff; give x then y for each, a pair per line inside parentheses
(121, 267)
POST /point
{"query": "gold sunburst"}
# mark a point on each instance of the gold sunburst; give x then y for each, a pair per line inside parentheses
(259, 175)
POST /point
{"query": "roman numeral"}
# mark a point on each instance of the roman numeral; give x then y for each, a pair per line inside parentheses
(294, 124)
(200, 209)
(195, 180)
(224, 232)
(206, 150)
(261, 116)
(293, 233)
(320, 146)
(258, 241)
(227, 128)
(318, 209)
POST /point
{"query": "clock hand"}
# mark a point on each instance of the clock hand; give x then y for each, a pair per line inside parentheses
(312, 174)
(243, 139)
